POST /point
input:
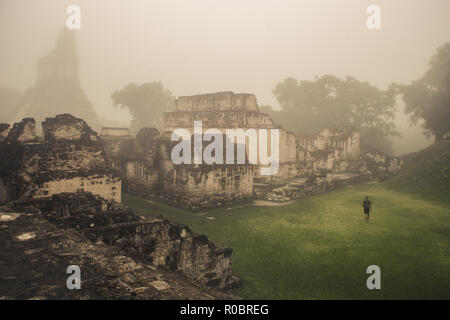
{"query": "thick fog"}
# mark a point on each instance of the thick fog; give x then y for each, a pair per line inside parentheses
(202, 46)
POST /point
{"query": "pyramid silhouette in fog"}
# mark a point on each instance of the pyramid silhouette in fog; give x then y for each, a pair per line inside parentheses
(58, 89)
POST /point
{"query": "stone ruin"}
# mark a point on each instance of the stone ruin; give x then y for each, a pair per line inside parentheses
(62, 191)
(66, 181)
(382, 165)
(68, 158)
(146, 168)
(57, 88)
(226, 110)
(121, 254)
(308, 164)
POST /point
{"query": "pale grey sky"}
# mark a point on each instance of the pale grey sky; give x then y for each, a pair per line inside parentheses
(201, 46)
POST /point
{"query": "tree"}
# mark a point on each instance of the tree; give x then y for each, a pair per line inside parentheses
(428, 98)
(337, 104)
(146, 103)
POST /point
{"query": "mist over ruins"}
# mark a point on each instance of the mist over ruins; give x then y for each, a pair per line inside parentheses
(79, 190)
(57, 87)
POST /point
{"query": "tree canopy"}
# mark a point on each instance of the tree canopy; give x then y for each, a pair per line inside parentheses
(337, 104)
(146, 103)
(428, 98)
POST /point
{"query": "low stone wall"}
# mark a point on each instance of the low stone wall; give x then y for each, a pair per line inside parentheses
(195, 204)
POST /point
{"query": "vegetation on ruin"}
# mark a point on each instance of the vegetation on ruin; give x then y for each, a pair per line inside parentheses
(426, 173)
(320, 247)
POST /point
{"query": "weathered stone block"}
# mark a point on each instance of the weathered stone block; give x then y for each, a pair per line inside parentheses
(112, 132)
(152, 240)
(4, 130)
(68, 162)
(217, 101)
(22, 132)
(32, 245)
(65, 127)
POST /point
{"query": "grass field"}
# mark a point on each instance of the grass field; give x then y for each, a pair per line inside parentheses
(320, 247)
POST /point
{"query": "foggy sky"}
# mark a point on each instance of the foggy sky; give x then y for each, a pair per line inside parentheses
(202, 46)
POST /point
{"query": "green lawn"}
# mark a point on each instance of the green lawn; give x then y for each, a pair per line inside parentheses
(320, 247)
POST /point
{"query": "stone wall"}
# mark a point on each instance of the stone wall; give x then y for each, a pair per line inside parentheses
(146, 169)
(318, 161)
(66, 128)
(69, 177)
(22, 132)
(4, 130)
(327, 151)
(172, 246)
(137, 161)
(303, 156)
(381, 164)
(70, 158)
(206, 186)
(217, 102)
(40, 239)
(107, 132)
(228, 110)
(152, 240)
(104, 185)
(302, 187)
(227, 119)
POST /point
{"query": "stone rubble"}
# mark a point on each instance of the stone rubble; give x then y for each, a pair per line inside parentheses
(35, 268)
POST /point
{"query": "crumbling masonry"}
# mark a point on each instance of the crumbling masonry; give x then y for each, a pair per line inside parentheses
(308, 164)
(69, 158)
(66, 178)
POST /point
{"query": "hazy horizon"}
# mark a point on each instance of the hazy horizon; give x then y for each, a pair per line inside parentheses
(210, 46)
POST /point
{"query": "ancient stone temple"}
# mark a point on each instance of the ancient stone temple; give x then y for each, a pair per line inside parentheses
(227, 110)
(307, 164)
(147, 170)
(68, 158)
(61, 192)
(58, 88)
(327, 151)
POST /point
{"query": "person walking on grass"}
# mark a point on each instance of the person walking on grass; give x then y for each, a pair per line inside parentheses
(367, 206)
